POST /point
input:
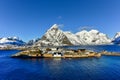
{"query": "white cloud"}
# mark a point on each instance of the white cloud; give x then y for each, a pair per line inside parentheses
(59, 17)
(85, 28)
(61, 25)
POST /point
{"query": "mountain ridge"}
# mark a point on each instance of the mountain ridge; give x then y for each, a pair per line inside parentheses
(11, 41)
(56, 37)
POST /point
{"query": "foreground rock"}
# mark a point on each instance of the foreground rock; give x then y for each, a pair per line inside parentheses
(27, 54)
(50, 53)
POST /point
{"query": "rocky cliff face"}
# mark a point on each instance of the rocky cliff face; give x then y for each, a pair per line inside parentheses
(56, 37)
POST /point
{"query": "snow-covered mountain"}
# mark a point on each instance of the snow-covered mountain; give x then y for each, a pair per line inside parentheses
(116, 39)
(53, 37)
(56, 37)
(117, 35)
(93, 37)
(11, 41)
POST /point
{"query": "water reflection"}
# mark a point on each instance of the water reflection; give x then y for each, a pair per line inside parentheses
(57, 59)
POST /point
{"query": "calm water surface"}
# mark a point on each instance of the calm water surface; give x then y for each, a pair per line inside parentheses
(104, 68)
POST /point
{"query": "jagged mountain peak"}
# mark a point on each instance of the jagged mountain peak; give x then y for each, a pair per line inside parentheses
(94, 31)
(116, 39)
(85, 31)
(54, 27)
(53, 31)
(117, 35)
(56, 37)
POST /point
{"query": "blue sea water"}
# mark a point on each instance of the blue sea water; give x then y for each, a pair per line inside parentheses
(104, 68)
(97, 48)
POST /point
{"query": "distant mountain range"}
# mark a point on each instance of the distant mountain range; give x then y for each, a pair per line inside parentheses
(56, 37)
(10, 41)
(116, 39)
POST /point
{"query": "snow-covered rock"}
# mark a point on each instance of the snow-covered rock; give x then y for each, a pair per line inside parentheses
(93, 37)
(117, 35)
(73, 38)
(56, 37)
(30, 42)
(11, 41)
(116, 39)
(53, 37)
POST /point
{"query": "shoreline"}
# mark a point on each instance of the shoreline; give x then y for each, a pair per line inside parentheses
(62, 53)
(59, 52)
(55, 57)
(38, 54)
(110, 53)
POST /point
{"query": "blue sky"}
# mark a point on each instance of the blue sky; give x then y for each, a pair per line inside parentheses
(30, 19)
